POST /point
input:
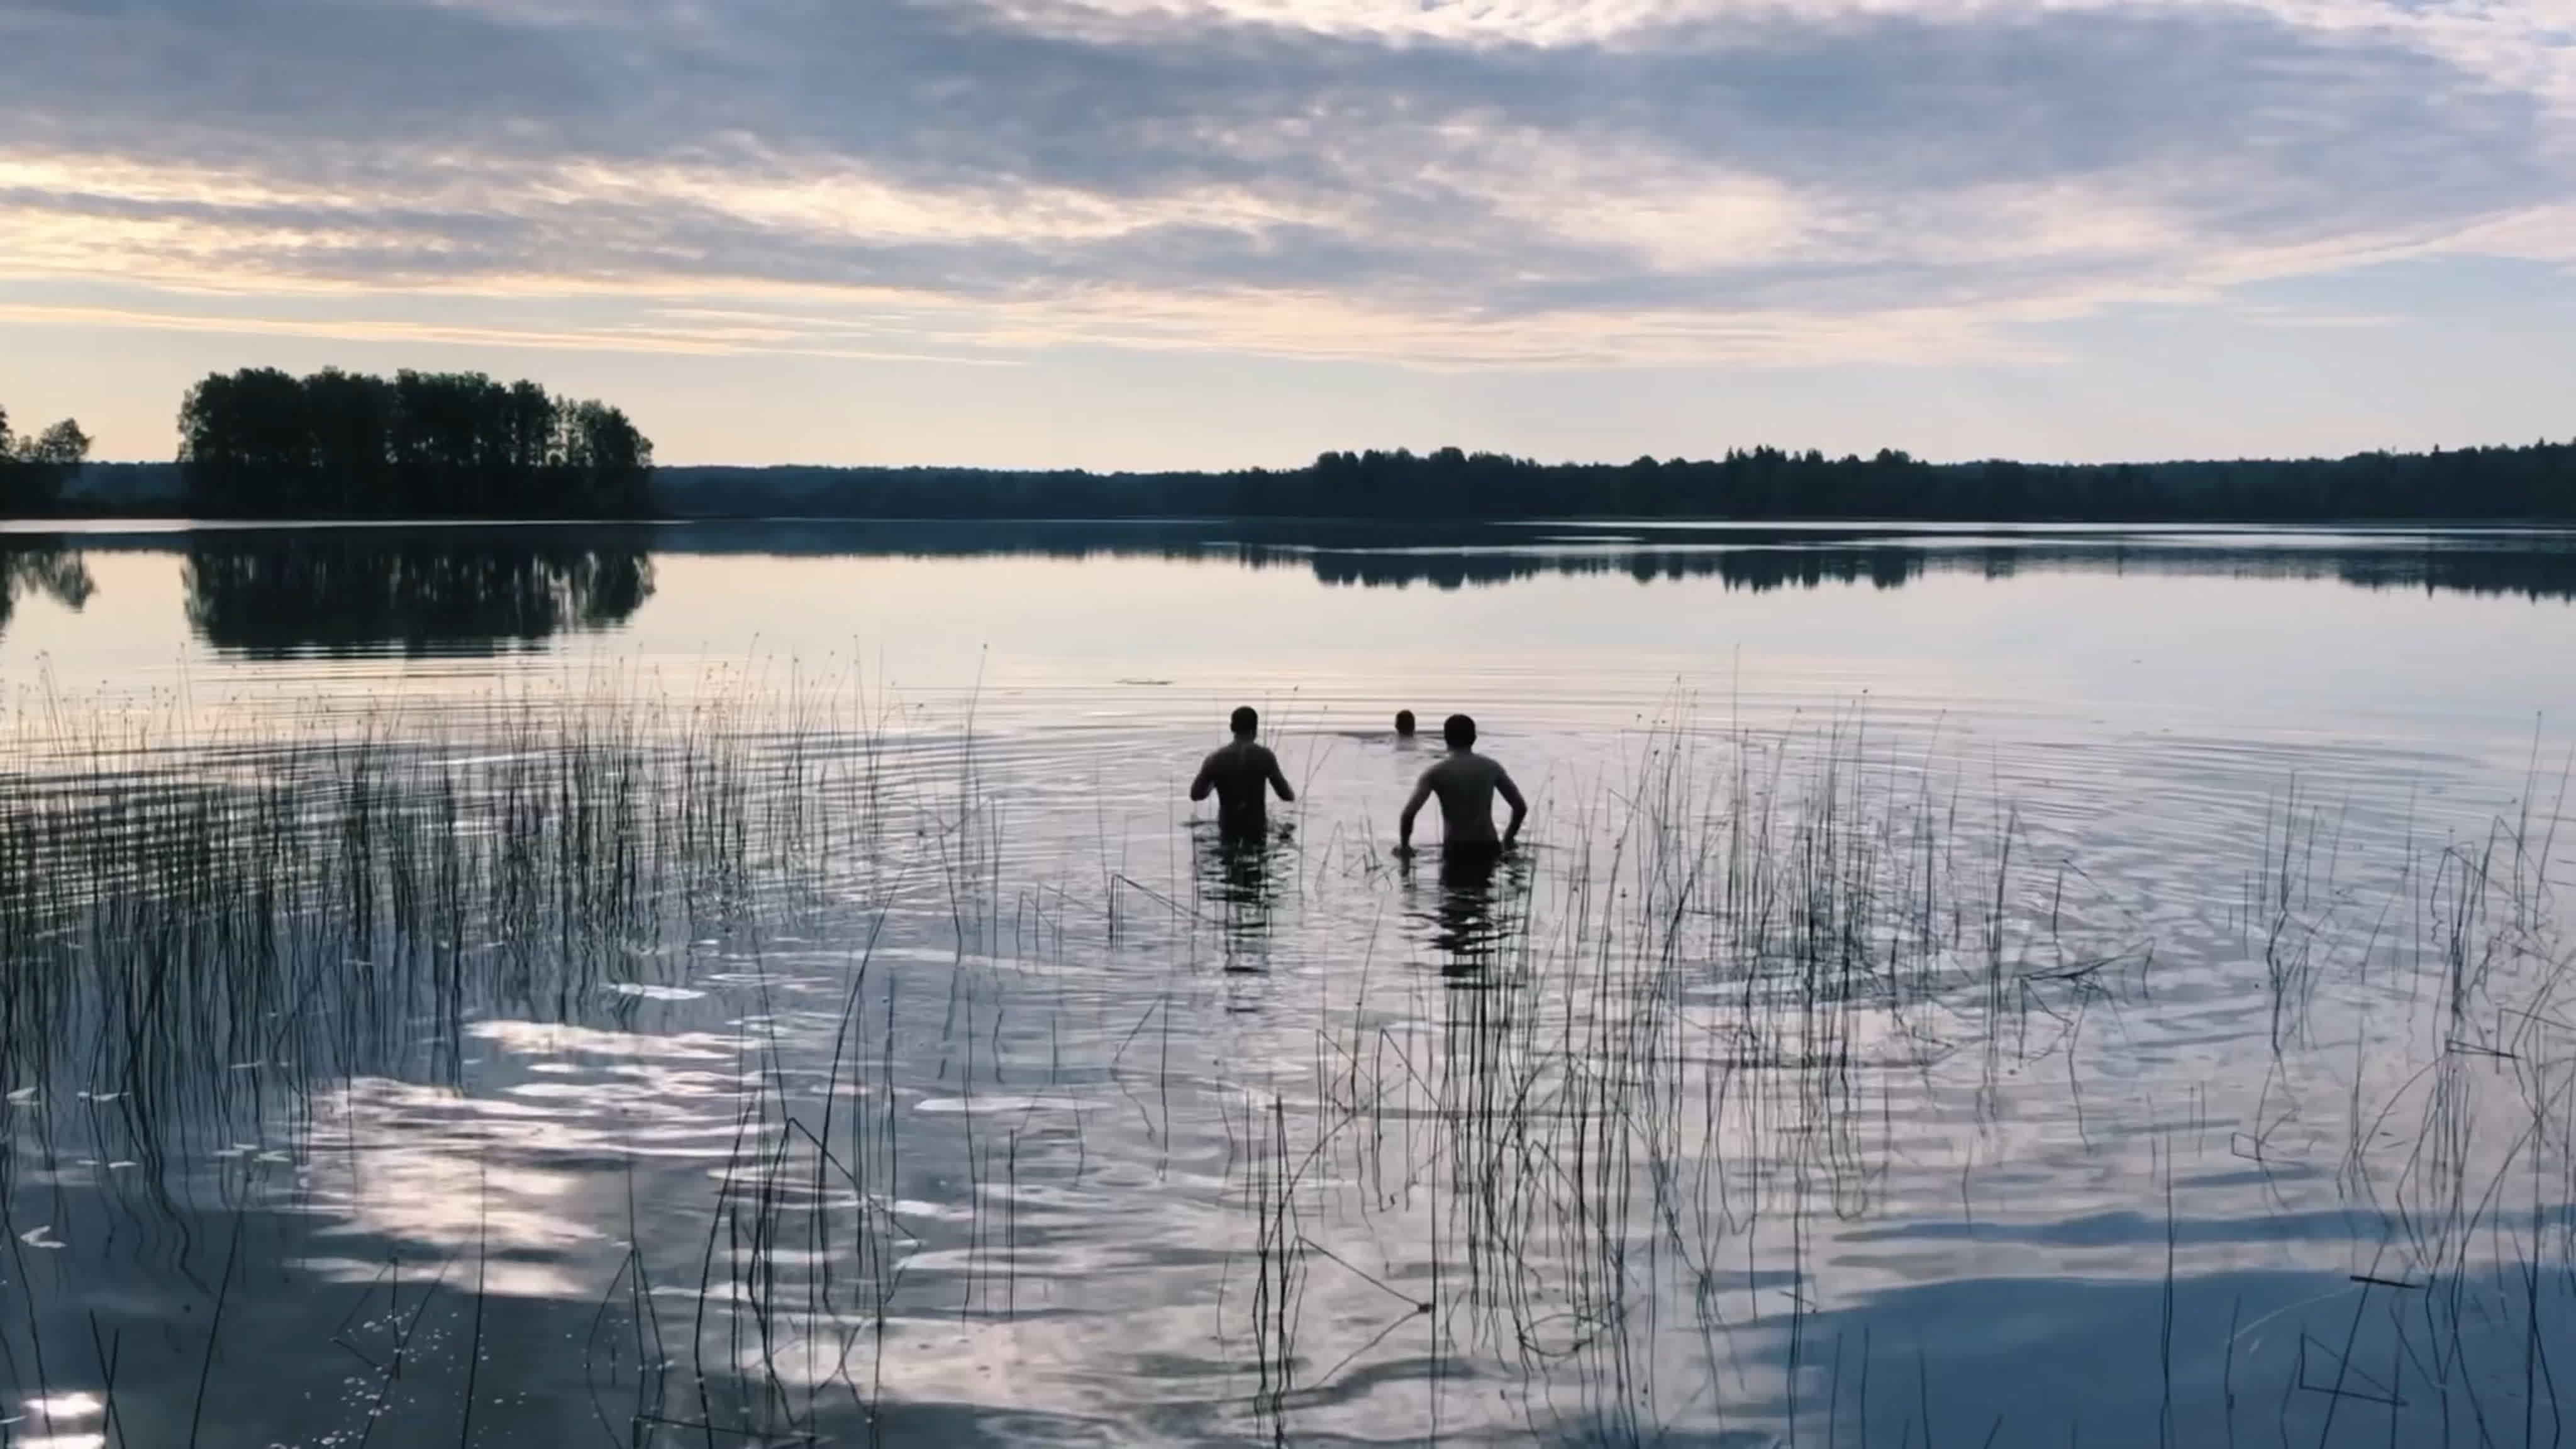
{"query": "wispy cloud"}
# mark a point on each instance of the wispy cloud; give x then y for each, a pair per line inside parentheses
(1522, 181)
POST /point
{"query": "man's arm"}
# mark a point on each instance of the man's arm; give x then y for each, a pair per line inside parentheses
(1206, 781)
(1511, 794)
(1412, 807)
(1278, 781)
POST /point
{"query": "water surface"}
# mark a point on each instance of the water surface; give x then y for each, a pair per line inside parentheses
(755, 983)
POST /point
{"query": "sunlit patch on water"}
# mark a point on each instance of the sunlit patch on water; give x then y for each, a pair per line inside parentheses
(647, 992)
(1024, 1106)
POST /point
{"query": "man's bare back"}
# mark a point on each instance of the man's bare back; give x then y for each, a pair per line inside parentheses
(1241, 775)
(1466, 784)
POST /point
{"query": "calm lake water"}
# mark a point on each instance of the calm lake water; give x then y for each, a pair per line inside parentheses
(727, 984)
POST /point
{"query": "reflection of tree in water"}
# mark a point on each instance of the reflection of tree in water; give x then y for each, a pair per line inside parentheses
(419, 591)
(1757, 569)
(1757, 559)
(39, 564)
(2531, 568)
(2536, 567)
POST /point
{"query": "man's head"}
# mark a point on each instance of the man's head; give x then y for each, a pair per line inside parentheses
(1404, 723)
(1459, 731)
(1247, 722)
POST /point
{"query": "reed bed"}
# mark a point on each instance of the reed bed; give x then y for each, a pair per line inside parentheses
(1595, 1165)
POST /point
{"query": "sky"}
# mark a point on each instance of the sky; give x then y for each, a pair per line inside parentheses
(1181, 233)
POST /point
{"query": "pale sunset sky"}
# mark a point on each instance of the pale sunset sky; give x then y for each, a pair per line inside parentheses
(1174, 233)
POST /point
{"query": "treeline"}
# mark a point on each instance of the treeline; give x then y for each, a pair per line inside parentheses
(2535, 482)
(261, 443)
(33, 470)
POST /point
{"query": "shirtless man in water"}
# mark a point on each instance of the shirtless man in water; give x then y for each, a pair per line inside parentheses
(1240, 775)
(1466, 783)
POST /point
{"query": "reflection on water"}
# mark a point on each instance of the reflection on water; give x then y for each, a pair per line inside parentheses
(1239, 878)
(41, 564)
(1468, 913)
(2028, 1056)
(267, 593)
(473, 588)
(2532, 564)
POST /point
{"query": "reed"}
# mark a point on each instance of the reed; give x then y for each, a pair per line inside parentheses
(1588, 1161)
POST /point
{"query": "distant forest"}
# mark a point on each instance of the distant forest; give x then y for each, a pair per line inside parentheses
(33, 470)
(260, 443)
(2528, 483)
(263, 444)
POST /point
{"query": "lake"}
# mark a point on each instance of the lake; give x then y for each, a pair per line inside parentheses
(766, 984)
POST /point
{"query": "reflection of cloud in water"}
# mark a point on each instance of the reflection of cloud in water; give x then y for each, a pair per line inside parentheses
(56, 1413)
(656, 993)
(555, 1038)
(529, 1175)
(1000, 1102)
(2217, 1354)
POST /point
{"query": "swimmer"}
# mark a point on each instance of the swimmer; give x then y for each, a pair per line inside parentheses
(1466, 783)
(1404, 724)
(1240, 775)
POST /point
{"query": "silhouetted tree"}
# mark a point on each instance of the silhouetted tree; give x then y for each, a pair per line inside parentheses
(261, 443)
(610, 459)
(350, 419)
(245, 442)
(34, 470)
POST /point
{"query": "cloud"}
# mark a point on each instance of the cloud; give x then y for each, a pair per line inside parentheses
(1522, 181)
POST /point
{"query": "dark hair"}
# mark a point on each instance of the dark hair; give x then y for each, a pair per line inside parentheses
(1404, 721)
(1459, 731)
(1247, 720)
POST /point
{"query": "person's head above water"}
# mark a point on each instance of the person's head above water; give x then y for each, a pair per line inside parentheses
(1404, 722)
(1247, 722)
(1459, 731)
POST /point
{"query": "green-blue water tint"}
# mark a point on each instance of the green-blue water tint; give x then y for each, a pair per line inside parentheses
(733, 984)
